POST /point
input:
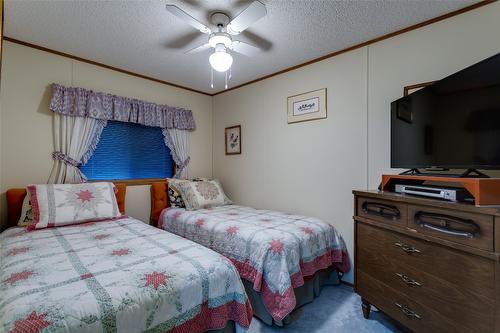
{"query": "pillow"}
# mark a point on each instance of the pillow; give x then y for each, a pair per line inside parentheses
(62, 204)
(174, 196)
(26, 217)
(202, 194)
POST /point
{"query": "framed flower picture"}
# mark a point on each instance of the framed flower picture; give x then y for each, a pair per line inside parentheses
(233, 140)
(307, 106)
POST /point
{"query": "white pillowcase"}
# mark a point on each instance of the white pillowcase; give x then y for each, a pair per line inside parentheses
(202, 194)
(62, 204)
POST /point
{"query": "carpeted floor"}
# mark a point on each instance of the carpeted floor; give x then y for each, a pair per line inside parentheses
(336, 310)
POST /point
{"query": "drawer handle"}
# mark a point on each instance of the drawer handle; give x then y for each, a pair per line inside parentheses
(380, 209)
(407, 312)
(443, 224)
(407, 248)
(410, 282)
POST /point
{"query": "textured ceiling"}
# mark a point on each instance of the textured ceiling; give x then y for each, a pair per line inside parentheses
(142, 37)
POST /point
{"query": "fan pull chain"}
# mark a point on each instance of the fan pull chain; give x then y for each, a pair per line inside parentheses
(226, 81)
(211, 78)
(230, 72)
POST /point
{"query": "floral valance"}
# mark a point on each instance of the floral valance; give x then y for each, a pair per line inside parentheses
(81, 102)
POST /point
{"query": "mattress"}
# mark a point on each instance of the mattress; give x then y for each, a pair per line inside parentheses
(115, 276)
(275, 251)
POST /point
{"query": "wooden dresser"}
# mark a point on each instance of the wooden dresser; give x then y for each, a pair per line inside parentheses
(431, 265)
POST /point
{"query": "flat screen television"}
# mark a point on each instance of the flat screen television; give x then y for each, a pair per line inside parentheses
(453, 123)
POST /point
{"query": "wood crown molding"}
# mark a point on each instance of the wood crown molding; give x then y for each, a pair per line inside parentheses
(371, 41)
(95, 63)
(330, 55)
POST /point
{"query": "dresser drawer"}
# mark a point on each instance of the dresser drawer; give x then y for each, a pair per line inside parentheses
(449, 299)
(378, 250)
(412, 314)
(475, 230)
(382, 210)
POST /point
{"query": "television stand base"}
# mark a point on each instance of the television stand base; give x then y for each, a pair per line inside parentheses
(469, 173)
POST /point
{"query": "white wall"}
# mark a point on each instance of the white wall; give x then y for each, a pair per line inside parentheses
(307, 168)
(427, 54)
(26, 121)
(311, 167)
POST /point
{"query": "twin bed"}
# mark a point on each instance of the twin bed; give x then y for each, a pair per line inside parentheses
(283, 259)
(124, 275)
(118, 275)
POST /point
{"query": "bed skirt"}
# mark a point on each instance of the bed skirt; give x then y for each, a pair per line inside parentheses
(229, 328)
(303, 294)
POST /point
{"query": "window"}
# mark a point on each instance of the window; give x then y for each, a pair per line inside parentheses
(129, 151)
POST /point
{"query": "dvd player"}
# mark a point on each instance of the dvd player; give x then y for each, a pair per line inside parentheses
(457, 194)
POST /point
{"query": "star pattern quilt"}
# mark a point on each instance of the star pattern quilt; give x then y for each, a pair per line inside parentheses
(115, 276)
(273, 250)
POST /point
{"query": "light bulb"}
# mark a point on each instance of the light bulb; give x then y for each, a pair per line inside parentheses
(221, 61)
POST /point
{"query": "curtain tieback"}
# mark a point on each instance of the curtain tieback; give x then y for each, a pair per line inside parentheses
(59, 156)
(184, 164)
(181, 166)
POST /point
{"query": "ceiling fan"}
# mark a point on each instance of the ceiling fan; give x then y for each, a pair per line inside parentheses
(221, 39)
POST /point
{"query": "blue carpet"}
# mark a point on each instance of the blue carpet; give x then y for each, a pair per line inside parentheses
(336, 310)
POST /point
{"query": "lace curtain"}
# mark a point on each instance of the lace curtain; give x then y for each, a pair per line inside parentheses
(80, 115)
(75, 139)
(178, 143)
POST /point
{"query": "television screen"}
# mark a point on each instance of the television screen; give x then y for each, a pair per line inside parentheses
(453, 123)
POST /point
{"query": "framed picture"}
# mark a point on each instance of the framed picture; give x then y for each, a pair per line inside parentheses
(233, 140)
(307, 106)
(414, 87)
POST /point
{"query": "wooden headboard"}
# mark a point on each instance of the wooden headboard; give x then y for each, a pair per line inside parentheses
(159, 201)
(15, 197)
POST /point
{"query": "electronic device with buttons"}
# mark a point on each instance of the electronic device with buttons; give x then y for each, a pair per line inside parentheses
(456, 194)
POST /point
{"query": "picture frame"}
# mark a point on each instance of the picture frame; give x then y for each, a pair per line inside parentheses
(415, 87)
(232, 137)
(307, 106)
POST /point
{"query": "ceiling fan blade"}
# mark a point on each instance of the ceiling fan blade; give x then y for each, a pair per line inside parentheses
(259, 41)
(247, 17)
(188, 18)
(198, 49)
(182, 41)
(244, 48)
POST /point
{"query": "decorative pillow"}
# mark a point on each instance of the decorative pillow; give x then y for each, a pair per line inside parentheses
(26, 212)
(62, 204)
(173, 195)
(202, 194)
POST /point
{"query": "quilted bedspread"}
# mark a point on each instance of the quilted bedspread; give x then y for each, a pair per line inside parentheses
(115, 276)
(273, 250)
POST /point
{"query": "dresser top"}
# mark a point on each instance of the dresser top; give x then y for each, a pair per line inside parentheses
(465, 207)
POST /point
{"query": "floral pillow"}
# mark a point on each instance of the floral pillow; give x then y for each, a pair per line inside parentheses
(202, 194)
(174, 196)
(26, 212)
(62, 204)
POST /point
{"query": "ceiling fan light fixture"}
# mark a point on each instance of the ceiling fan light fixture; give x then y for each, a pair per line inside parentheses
(220, 61)
(220, 38)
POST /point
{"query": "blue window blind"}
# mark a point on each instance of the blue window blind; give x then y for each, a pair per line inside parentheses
(129, 151)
